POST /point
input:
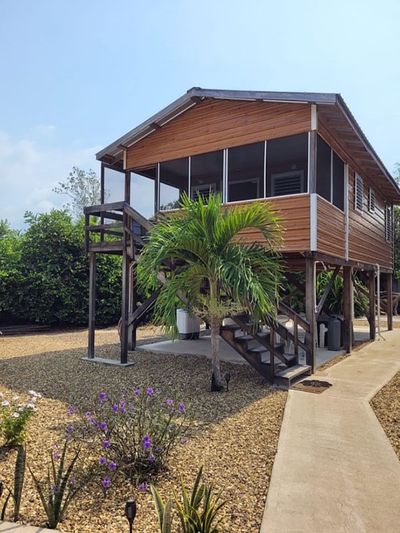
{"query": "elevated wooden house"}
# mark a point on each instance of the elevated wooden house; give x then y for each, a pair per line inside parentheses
(304, 153)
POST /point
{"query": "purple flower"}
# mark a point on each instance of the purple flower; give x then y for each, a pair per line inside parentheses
(73, 481)
(181, 408)
(137, 392)
(146, 442)
(88, 415)
(143, 487)
(71, 410)
(170, 403)
(115, 408)
(149, 391)
(106, 444)
(106, 482)
(103, 426)
(184, 440)
(55, 489)
(102, 397)
(112, 466)
(102, 460)
(69, 429)
(56, 456)
(151, 458)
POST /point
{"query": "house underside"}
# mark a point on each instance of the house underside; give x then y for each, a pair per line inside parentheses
(302, 154)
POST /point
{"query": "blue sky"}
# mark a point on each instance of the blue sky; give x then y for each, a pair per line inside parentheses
(75, 75)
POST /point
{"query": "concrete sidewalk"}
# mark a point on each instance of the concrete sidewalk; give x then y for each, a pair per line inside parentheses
(12, 527)
(335, 470)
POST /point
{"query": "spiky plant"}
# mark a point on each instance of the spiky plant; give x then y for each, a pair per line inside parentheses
(210, 266)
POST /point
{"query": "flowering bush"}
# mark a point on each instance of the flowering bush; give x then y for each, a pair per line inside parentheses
(14, 417)
(136, 433)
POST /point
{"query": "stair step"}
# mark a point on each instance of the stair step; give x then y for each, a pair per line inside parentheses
(293, 373)
(244, 338)
(230, 327)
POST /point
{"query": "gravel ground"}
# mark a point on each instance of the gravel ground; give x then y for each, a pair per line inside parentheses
(386, 405)
(235, 437)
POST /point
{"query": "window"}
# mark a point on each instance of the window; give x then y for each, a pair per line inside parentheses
(246, 172)
(324, 169)
(287, 162)
(358, 193)
(371, 200)
(337, 181)
(287, 183)
(143, 190)
(114, 185)
(174, 179)
(206, 174)
(388, 223)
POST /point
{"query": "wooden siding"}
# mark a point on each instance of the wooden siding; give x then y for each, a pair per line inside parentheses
(294, 213)
(367, 241)
(331, 229)
(217, 124)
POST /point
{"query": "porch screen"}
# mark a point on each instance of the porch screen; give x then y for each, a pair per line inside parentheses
(246, 172)
(206, 174)
(174, 179)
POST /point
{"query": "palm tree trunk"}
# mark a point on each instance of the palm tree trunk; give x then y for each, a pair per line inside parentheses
(216, 383)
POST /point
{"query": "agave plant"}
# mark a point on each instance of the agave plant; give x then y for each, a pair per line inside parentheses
(215, 271)
(198, 512)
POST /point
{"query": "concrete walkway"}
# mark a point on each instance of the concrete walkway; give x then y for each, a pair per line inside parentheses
(11, 527)
(335, 470)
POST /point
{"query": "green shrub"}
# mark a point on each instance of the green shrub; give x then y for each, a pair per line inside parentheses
(14, 418)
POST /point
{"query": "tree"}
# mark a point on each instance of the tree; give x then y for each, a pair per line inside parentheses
(215, 273)
(83, 188)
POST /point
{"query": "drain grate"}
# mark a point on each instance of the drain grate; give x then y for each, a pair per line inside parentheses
(315, 386)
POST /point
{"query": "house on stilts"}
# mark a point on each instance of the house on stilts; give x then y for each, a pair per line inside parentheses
(302, 153)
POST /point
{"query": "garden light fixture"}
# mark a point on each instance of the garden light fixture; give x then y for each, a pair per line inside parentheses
(227, 379)
(130, 512)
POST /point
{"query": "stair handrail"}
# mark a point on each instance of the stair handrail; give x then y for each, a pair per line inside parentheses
(292, 314)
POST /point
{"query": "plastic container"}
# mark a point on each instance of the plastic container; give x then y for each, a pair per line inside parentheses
(188, 325)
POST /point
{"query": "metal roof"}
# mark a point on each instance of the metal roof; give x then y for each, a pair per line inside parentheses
(196, 94)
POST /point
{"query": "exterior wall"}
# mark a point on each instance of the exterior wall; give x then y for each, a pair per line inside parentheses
(331, 229)
(217, 124)
(367, 241)
(294, 213)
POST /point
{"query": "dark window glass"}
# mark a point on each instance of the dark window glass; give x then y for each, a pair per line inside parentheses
(246, 172)
(323, 169)
(174, 178)
(287, 161)
(206, 174)
(338, 181)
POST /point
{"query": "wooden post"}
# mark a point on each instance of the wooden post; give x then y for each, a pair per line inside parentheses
(372, 305)
(389, 311)
(127, 188)
(310, 312)
(102, 197)
(124, 308)
(347, 308)
(92, 303)
(132, 306)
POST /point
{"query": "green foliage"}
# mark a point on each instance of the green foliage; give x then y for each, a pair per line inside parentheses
(198, 512)
(217, 273)
(334, 301)
(19, 477)
(44, 274)
(14, 418)
(163, 510)
(136, 432)
(60, 487)
(83, 189)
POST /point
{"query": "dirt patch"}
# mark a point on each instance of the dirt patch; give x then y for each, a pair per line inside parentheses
(235, 438)
(386, 405)
(314, 386)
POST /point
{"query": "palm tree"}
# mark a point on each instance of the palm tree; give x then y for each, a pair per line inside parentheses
(210, 267)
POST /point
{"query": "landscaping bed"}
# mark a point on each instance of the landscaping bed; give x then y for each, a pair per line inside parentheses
(234, 435)
(386, 405)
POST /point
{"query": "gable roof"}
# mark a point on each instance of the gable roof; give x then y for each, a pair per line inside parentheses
(336, 112)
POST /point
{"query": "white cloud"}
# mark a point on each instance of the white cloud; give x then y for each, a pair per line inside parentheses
(29, 170)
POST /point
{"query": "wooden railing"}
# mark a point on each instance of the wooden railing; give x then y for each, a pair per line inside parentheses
(129, 225)
(298, 320)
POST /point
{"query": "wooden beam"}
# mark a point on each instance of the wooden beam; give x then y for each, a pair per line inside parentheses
(327, 290)
(389, 311)
(347, 308)
(372, 305)
(127, 188)
(311, 337)
(92, 304)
